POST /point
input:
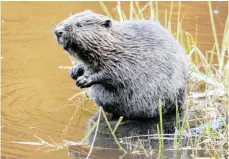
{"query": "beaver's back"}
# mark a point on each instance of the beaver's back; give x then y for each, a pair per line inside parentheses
(153, 66)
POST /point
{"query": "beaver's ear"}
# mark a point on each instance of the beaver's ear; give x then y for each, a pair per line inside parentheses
(107, 23)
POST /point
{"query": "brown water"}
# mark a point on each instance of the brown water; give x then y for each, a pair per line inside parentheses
(35, 91)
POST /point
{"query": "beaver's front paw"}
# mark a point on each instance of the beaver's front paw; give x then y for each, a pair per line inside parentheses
(77, 71)
(83, 82)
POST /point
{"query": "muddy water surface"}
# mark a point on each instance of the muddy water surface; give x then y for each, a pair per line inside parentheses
(35, 91)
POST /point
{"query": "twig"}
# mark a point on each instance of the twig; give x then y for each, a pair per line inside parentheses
(70, 121)
(96, 130)
(65, 67)
(143, 147)
(77, 94)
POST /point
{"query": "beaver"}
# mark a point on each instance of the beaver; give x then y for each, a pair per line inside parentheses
(130, 67)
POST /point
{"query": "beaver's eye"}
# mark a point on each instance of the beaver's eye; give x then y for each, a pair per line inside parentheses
(78, 25)
(107, 23)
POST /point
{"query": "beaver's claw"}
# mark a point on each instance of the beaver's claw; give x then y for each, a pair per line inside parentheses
(77, 71)
(83, 82)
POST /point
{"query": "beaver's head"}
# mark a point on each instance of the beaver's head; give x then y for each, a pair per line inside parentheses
(84, 34)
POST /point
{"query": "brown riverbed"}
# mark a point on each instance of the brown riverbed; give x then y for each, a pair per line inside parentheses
(35, 91)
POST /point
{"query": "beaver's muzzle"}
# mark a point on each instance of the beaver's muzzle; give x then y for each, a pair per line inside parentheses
(58, 33)
(59, 36)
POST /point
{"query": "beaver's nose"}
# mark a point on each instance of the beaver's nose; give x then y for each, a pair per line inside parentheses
(58, 33)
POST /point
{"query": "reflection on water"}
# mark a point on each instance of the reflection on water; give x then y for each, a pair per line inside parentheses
(138, 136)
(35, 91)
(141, 139)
